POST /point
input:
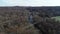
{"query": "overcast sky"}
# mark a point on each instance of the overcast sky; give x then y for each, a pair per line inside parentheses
(29, 2)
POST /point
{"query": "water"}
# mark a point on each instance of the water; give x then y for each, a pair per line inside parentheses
(30, 19)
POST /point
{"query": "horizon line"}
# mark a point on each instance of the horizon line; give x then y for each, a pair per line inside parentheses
(29, 6)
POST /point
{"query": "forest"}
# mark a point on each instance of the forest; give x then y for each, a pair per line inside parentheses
(29, 20)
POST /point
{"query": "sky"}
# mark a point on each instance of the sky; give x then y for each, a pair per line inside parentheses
(29, 2)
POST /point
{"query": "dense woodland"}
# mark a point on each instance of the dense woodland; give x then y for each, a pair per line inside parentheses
(29, 20)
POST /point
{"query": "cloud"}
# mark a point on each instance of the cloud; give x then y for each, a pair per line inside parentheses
(30, 3)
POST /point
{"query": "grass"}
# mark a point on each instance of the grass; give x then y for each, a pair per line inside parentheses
(57, 18)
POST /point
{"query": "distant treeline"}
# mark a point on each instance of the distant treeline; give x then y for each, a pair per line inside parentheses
(55, 11)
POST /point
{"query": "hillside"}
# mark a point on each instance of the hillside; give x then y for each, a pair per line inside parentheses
(29, 20)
